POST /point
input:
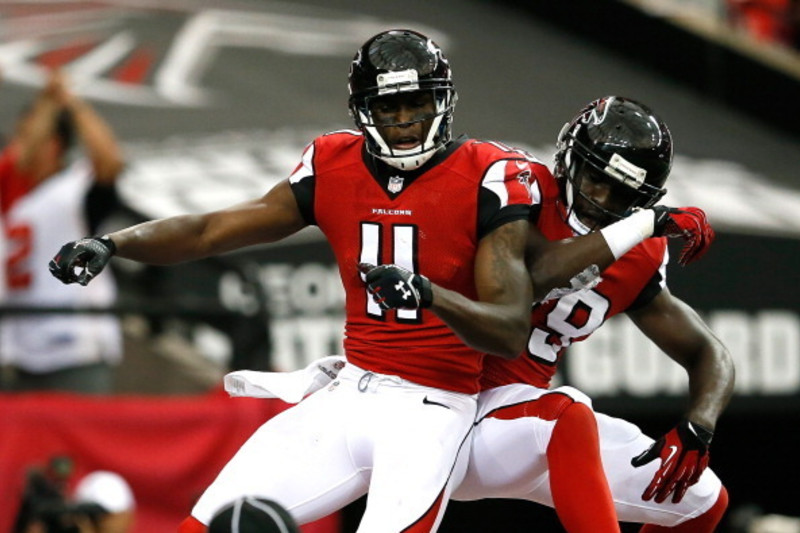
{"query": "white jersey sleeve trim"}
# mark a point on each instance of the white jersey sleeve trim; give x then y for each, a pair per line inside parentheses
(306, 167)
(495, 181)
(662, 270)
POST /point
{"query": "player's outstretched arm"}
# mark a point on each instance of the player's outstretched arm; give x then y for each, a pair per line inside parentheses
(678, 330)
(186, 237)
(189, 237)
(567, 265)
(498, 322)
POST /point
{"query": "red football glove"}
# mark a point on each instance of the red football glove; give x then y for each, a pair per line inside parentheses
(689, 223)
(684, 455)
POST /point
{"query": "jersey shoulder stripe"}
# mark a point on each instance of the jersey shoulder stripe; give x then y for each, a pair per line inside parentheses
(346, 131)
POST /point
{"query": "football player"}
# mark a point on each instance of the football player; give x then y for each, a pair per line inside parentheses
(429, 234)
(611, 165)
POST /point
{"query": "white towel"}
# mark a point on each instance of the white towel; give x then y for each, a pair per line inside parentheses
(291, 387)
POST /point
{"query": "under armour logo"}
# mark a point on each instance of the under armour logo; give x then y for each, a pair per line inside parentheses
(400, 287)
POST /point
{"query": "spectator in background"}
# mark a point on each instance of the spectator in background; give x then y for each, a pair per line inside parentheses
(768, 21)
(253, 515)
(101, 501)
(114, 497)
(46, 198)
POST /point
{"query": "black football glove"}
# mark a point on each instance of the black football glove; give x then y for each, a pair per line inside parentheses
(394, 287)
(689, 223)
(89, 256)
(684, 455)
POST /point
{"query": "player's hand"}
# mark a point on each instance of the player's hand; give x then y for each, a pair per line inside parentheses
(394, 287)
(689, 223)
(684, 455)
(80, 261)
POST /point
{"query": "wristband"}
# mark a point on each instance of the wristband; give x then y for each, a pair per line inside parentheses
(108, 243)
(624, 234)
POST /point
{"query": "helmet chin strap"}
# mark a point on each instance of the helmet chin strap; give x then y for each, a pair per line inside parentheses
(575, 223)
(407, 162)
(407, 159)
(572, 218)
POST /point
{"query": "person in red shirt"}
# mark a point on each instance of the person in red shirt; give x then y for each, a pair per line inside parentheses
(429, 235)
(57, 178)
(530, 443)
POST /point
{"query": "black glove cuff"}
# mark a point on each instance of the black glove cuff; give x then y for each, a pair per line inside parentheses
(106, 241)
(425, 291)
(661, 219)
(703, 434)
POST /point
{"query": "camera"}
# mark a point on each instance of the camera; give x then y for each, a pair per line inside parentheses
(45, 502)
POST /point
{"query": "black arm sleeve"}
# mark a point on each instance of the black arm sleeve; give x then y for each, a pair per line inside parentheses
(536, 210)
(304, 194)
(491, 216)
(101, 201)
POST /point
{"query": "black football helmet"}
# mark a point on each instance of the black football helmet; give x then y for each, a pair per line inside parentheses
(626, 144)
(398, 61)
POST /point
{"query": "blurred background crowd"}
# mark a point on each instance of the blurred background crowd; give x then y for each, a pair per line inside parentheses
(125, 110)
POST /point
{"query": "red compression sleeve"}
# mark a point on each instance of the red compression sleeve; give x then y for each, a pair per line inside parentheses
(578, 484)
(191, 524)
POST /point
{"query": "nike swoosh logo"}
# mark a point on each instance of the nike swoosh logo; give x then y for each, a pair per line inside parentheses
(672, 451)
(426, 401)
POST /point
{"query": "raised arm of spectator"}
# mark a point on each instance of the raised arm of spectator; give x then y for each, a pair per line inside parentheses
(95, 133)
(36, 125)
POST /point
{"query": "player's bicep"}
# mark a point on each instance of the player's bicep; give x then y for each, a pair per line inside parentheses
(500, 273)
(270, 218)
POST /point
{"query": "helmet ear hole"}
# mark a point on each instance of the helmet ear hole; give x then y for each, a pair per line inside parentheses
(394, 62)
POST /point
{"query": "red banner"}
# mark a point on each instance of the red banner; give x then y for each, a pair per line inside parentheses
(167, 448)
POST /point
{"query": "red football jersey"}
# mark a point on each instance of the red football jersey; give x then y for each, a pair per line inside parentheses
(632, 280)
(429, 221)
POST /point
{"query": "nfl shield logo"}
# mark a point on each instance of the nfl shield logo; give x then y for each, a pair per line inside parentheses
(395, 184)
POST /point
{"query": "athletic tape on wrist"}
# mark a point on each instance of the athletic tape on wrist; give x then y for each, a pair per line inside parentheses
(623, 235)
